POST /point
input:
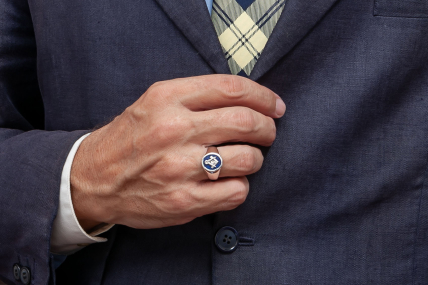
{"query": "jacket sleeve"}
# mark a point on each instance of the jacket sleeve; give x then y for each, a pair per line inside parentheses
(31, 159)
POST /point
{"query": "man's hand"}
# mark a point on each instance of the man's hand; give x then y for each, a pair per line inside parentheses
(144, 169)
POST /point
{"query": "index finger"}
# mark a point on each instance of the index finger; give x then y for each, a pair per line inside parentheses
(217, 91)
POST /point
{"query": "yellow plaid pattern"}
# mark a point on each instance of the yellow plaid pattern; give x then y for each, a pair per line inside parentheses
(244, 34)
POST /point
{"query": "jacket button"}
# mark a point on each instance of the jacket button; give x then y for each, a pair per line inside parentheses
(17, 271)
(226, 239)
(25, 275)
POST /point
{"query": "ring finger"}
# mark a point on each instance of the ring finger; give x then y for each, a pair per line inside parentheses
(238, 160)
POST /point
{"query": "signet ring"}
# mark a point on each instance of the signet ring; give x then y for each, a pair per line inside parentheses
(212, 162)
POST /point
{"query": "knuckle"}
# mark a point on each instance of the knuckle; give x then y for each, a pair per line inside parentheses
(245, 120)
(135, 113)
(234, 86)
(272, 133)
(169, 167)
(132, 112)
(154, 89)
(180, 125)
(156, 86)
(170, 171)
(150, 100)
(173, 129)
(163, 134)
(157, 92)
(240, 194)
(248, 161)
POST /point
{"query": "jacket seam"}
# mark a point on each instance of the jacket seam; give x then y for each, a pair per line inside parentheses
(418, 224)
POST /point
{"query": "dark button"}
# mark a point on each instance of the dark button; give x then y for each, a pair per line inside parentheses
(226, 239)
(25, 275)
(17, 271)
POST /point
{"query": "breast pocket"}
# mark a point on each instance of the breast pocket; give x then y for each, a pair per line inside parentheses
(401, 8)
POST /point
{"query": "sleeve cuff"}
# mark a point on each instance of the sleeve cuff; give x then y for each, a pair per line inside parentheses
(67, 234)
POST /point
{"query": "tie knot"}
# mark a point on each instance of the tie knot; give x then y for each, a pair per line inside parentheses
(243, 28)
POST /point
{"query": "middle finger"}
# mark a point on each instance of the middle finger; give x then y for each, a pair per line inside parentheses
(234, 124)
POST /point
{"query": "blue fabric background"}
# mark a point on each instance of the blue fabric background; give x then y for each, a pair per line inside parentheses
(342, 196)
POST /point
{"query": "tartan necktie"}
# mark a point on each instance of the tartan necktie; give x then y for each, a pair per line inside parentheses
(243, 28)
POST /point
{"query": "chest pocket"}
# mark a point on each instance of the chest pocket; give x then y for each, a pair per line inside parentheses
(401, 8)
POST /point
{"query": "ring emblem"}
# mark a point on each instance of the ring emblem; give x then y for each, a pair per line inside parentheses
(212, 162)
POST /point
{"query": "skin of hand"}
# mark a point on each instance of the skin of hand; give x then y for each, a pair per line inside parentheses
(144, 168)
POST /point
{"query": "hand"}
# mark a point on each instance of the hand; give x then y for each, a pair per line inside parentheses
(144, 169)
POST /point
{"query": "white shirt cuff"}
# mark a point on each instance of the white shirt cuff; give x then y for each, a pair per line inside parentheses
(67, 234)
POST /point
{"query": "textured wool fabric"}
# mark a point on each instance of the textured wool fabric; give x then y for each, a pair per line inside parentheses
(243, 28)
(342, 194)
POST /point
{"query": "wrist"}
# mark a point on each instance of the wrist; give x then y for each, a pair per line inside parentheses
(82, 182)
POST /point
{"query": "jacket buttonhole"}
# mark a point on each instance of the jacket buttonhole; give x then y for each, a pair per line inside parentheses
(246, 241)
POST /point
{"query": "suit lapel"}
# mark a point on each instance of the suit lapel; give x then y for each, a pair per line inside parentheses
(297, 19)
(193, 20)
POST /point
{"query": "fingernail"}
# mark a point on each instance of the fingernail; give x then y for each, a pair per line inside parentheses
(280, 107)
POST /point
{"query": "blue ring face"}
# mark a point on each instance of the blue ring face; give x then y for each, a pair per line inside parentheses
(212, 162)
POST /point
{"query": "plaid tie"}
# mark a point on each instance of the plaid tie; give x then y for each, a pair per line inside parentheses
(243, 28)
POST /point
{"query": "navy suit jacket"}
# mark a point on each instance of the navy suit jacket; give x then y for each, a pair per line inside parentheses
(342, 196)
